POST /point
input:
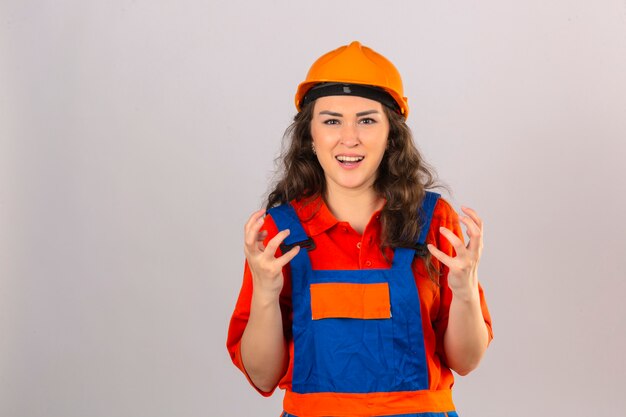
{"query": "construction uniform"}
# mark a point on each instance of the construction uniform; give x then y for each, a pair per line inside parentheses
(365, 327)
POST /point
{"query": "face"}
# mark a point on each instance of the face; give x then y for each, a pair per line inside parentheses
(350, 137)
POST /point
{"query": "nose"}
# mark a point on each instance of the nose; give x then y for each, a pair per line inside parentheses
(350, 135)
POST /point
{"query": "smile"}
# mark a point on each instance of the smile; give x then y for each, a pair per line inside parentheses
(344, 158)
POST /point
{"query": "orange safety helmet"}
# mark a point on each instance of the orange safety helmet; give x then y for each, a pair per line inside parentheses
(355, 64)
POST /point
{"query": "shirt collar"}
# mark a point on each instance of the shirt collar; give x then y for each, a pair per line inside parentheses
(315, 215)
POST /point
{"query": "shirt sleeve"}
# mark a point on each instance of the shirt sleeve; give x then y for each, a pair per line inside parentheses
(445, 216)
(240, 316)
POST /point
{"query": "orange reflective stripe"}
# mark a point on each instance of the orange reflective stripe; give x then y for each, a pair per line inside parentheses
(361, 405)
(346, 300)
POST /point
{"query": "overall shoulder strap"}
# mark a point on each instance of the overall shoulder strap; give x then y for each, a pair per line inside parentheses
(425, 213)
(285, 217)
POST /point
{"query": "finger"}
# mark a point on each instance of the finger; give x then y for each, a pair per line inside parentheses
(261, 236)
(287, 257)
(474, 232)
(254, 217)
(252, 227)
(274, 243)
(454, 240)
(474, 226)
(472, 213)
(473, 229)
(444, 258)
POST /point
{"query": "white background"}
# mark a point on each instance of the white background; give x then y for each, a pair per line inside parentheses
(137, 136)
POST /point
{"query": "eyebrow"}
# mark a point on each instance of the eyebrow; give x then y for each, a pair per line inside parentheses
(359, 114)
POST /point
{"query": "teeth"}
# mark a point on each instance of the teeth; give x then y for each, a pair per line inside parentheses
(343, 158)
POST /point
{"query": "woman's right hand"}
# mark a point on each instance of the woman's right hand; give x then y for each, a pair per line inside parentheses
(263, 344)
(266, 268)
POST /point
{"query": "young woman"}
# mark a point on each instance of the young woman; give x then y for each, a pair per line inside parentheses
(359, 295)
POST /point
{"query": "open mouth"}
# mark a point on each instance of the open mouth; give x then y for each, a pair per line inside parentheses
(349, 159)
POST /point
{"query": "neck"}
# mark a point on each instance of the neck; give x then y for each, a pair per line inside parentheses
(353, 206)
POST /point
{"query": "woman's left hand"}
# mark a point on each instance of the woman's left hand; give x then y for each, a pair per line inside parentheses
(463, 268)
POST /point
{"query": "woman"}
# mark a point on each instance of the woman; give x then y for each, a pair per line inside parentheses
(359, 296)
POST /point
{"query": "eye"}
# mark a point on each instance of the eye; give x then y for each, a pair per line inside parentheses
(367, 121)
(331, 122)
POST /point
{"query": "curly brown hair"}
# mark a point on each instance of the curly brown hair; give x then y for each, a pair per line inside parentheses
(402, 179)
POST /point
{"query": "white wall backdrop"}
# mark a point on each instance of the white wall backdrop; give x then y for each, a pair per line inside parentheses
(137, 136)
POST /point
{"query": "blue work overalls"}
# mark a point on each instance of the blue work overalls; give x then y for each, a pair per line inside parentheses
(350, 354)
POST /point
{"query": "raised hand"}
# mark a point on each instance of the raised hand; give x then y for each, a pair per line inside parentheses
(463, 268)
(266, 268)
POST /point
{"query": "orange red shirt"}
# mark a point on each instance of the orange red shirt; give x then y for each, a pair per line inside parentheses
(340, 247)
